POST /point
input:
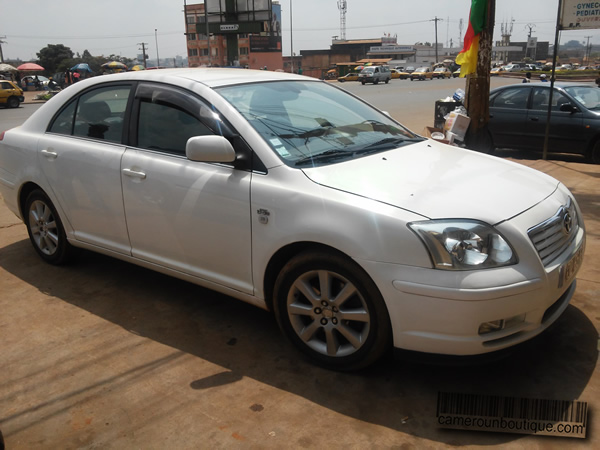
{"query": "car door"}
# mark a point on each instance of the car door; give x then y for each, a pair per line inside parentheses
(566, 127)
(80, 155)
(189, 216)
(508, 117)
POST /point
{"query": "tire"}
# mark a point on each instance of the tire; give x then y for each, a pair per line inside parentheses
(387, 80)
(363, 82)
(376, 81)
(13, 102)
(593, 155)
(45, 229)
(348, 327)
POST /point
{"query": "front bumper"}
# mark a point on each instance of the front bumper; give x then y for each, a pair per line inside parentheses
(450, 312)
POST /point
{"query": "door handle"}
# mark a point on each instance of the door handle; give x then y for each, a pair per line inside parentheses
(134, 174)
(50, 155)
(534, 119)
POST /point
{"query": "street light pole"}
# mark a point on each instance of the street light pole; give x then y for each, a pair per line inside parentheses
(156, 39)
(291, 37)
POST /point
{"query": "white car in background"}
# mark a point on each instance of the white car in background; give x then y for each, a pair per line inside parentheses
(293, 195)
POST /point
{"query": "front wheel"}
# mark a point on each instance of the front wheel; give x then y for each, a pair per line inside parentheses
(331, 310)
(45, 229)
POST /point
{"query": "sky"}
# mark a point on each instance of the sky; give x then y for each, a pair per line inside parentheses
(118, 26)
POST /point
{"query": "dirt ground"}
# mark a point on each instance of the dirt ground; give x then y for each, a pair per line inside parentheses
(104, 354)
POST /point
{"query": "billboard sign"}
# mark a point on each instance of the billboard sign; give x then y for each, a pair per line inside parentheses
(532, 42)
(265, 44)
(578, 14)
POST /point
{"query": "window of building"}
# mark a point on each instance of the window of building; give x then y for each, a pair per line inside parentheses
(191, 18)
(191, 36)
(192, 52)
(243, 50)
(204, 52)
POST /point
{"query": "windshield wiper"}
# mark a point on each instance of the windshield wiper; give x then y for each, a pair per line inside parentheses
(329, 155)
(389, 142)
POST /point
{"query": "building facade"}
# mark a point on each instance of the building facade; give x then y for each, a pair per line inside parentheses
(255, 50)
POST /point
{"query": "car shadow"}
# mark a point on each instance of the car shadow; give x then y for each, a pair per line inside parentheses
(399, 394)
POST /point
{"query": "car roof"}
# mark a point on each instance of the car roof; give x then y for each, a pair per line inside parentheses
(212, 77)
(560, 84)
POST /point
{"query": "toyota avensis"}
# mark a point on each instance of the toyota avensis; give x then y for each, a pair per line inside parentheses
(293, 195)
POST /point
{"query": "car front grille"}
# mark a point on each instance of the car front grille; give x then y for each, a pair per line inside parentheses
(554, 235)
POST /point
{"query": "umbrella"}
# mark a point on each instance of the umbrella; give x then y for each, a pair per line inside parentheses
(7, 68)
(30, 66)
(82, 66)
(332, 71)
(359, 68)
(114, 65)
(138, 67)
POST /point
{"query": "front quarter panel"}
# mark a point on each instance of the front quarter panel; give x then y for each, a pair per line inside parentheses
(288, 208)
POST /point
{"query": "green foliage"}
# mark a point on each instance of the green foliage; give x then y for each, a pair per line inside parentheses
(52, 56)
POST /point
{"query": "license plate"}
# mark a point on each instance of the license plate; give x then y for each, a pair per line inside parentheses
(570, 268)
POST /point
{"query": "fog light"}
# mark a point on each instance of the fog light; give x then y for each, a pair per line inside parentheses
(502, 324)
(490, 327)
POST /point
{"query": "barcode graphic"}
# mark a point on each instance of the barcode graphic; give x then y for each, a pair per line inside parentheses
(519, 415)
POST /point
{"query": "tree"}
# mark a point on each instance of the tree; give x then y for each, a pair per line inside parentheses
(52, 56)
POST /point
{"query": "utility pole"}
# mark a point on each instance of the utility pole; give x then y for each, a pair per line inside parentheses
(2, 54)
(436, 20)
(143, 44)
(530, 26)
(477, 95)
(587, 50)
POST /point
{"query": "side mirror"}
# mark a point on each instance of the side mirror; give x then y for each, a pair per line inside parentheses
(567, 107)
(209, 149)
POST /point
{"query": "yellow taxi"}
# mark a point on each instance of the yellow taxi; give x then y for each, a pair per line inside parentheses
(11, 96)
(422, 73)
(395, 73)
(352, 76)
(442, 72)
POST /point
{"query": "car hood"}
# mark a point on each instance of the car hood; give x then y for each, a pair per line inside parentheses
(440, 181)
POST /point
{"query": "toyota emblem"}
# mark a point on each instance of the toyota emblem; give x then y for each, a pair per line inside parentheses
(567, 222)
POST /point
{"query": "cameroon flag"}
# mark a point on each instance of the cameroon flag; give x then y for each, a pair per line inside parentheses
(467, 58)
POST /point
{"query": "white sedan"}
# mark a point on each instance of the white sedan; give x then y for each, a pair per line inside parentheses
(293, 195)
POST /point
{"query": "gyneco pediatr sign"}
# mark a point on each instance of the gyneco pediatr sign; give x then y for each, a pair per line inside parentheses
(579, 14)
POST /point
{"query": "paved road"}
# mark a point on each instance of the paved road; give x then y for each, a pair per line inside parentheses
(10, 118)
(410, 102)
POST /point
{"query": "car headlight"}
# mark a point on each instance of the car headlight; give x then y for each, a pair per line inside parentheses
(464, 244)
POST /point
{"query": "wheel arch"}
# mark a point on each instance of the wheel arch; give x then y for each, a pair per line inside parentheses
(285, 254)
(24, 192)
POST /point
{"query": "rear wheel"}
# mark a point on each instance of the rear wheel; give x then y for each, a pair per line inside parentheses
(13, 102)
(45, 229)
(332, 311)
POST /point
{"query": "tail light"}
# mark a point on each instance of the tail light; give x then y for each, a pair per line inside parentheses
(2, 135)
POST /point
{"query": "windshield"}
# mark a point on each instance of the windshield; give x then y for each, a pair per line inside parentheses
(588, 96)
(368, 70)
(422, 69)
(311, 123)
